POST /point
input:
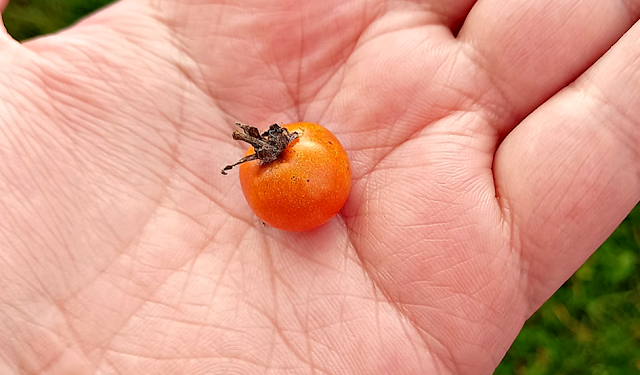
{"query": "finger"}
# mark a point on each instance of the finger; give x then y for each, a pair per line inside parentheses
(570, 172)
(531, 49)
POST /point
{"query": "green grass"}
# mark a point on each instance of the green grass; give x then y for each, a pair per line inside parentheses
(591, 325)
(26, 19)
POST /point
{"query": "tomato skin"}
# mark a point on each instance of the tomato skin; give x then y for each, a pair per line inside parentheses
(305, 187)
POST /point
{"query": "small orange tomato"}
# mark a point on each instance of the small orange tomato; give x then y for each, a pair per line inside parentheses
(305, 186)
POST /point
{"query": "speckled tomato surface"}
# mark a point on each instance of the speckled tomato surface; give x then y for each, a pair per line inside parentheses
(305, 187)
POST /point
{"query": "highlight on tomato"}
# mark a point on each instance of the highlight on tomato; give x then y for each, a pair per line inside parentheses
(295, 177)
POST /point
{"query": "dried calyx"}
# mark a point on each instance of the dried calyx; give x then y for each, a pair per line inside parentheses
(267, 146)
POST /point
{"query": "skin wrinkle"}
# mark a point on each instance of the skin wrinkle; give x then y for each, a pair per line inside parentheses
(409, 338)
(197, 188)
(516, 240)
(181, 47)
(428, 340)
(391, 149)
(395, 146)
(506, 109)
(482, 106)
(303, 321)
(100, 272)
(321, 96)
(279, 332)
(562, 197)
(50, 363)
(341, 67)
(60, 352)
(302, 324)
(592, 91)
(313, 262)
(445, 357)
(169, 358)
(564, 225)
(270, 66)
(89, 128)
(31, 100)
(404, 304)
(23, 256)
(56, 86)
(55, 258)
(125, 321)
(269, 363)
(295, 91)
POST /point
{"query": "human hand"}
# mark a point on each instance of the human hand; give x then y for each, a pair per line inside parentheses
(483, 177)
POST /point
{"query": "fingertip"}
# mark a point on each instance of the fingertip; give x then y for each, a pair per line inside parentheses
(532, 49)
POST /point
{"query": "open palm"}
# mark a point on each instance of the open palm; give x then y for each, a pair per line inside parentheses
(482, 178)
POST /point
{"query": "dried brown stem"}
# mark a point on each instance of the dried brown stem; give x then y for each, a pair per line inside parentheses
(267, 146)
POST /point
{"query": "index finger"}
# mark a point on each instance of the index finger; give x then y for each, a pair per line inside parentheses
(531, 49)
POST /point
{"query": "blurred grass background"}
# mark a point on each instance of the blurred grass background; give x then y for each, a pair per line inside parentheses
(590, 326)
(26, 19)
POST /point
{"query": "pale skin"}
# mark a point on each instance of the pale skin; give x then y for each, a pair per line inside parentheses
(494, 146)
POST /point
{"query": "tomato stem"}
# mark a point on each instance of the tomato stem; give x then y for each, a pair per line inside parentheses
(268, 145)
